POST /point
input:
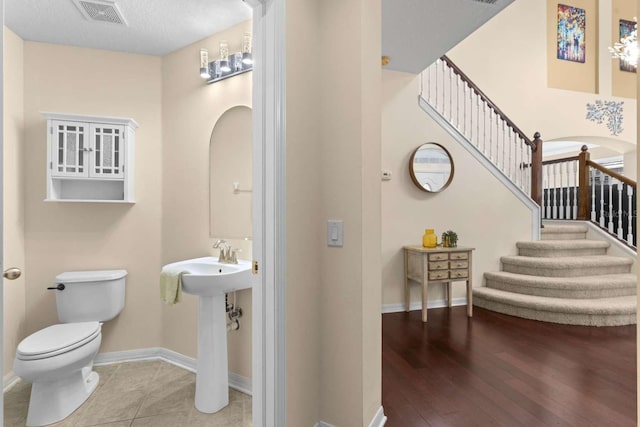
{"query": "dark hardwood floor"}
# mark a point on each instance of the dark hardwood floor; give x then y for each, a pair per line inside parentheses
(498, 370)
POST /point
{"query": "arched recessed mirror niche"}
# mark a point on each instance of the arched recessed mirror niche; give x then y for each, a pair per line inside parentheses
(230, 175)
(431, 167)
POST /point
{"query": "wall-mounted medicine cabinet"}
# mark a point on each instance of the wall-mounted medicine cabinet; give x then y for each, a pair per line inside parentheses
(90, 158)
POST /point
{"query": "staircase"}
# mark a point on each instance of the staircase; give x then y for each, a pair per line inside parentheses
(563, 278)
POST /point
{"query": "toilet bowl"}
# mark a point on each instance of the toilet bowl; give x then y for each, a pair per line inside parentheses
(58, 359)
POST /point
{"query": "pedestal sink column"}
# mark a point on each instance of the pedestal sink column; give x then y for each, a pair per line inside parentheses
(212, 376)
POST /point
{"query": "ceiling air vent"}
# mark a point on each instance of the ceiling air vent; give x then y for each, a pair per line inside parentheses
(486, 1)
(100, 10)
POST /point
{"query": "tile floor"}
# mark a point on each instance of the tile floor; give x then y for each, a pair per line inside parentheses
(137, 394)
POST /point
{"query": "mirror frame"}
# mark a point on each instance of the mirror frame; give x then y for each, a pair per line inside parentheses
(413, 175)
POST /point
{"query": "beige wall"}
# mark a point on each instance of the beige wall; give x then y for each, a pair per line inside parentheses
(571, 75)
(333, 306)
(190, 110)
(305, 230)
(480, 209)
(86, 236)
(507, 59)
(13, 200)
(623, 82)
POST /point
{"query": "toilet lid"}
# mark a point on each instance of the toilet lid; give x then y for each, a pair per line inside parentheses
(57, 339)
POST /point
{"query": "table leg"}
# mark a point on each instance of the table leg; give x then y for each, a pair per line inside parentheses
(407, 295)
(469, 299)
(425, 302)
(449, 294)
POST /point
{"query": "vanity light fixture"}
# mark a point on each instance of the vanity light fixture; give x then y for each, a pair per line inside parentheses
(227, 65)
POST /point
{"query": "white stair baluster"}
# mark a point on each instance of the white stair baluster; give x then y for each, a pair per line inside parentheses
(602, 220)
(620, 210)
(610, 222)
(575, 190)
(561, 189)
(592, 180)
(630, 225)
(554, 209)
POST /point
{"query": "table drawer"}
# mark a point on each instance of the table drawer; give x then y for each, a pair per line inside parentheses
(457, 274)
(458, 264)
(459, 255)
(438, 275)
(438, 257)
(440, 265)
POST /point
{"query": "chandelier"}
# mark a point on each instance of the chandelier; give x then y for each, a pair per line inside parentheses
(627, 48)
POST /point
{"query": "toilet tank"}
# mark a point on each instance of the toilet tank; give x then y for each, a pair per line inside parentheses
(90, 295)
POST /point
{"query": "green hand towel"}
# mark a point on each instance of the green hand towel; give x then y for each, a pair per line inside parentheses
(171, 285)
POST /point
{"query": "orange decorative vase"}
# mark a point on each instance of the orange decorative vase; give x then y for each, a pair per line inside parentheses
(429, 240)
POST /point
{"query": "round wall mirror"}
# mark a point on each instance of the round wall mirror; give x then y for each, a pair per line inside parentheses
(431, 167)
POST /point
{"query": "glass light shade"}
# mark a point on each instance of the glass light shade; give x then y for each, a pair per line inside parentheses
(224, 57)
(204, 64)
(246, 49)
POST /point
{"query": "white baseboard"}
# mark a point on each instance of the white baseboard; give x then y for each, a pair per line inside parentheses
(236, 382)
(9, 381)
(379, 420)
(417, 305)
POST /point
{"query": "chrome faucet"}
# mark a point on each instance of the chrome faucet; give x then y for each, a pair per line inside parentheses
(227, 256)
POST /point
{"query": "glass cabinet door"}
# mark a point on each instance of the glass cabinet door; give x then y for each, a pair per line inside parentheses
(69, 150)
(107, 155)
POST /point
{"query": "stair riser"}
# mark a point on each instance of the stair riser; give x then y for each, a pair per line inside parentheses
(561, 293)
(563, 236)
(565, 272)
(555, 317)
(551, 253)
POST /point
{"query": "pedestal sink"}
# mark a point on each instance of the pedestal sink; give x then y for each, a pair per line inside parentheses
(210, 280)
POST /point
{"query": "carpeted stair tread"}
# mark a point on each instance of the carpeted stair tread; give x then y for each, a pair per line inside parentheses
(590, 312)
(564, 228)
(559, 248)
(566, 266)
(624, 304)
(599, 286)
(563, 232)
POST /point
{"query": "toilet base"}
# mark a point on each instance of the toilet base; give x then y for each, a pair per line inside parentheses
(53, 401)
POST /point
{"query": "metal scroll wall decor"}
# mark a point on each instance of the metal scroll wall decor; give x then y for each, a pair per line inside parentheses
(609, 110)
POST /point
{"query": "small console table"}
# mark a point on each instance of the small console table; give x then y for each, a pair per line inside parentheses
(437, 265)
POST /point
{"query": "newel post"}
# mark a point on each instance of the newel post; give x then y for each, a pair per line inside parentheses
(536, 169)
(584, 199)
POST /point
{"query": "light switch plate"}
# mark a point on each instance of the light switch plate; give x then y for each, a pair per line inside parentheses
(335, 232)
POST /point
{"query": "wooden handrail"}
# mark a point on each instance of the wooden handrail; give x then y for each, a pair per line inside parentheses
(563, 160)
(488, 101)
(611, 173)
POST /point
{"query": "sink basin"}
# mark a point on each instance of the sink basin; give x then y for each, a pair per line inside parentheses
(210, 280)
(208, 277)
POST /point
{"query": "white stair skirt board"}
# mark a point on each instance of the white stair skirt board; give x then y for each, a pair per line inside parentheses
(379, 420)
(532, 206)
(236, 382)
(417, 305)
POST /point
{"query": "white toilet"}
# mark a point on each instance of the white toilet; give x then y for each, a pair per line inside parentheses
(58, 360)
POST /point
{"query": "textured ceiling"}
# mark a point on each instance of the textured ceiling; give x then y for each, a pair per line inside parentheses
(155, 27)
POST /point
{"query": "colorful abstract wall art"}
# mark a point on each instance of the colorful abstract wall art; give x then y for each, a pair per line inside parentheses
(571, 33)
(626, 28)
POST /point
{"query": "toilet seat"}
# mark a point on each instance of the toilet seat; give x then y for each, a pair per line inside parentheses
(57, 339)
